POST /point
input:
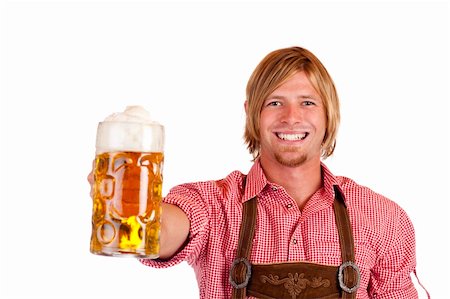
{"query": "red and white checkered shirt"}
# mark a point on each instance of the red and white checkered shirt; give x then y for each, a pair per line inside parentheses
(383, 233)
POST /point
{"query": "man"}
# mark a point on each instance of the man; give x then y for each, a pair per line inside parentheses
(305, 232)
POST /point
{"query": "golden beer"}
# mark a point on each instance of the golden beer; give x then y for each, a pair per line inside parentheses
(127, 204)
(127, 187)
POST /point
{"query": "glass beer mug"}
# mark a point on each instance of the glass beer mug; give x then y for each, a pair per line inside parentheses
(127, 188)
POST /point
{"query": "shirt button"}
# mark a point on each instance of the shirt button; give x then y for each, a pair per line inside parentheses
(274, 188)
(289, 206)
(294, 241)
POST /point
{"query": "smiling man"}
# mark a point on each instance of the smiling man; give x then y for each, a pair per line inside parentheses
(292, 130)
(289, 228)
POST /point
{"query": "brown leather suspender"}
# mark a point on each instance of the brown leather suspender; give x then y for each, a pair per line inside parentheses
(301, 280)
(241, 268)
(346, 277)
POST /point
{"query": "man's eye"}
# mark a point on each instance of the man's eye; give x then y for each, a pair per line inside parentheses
(273, 103)
(308, 103)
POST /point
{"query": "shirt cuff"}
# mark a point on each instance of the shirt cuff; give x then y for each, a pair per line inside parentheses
(187, 198)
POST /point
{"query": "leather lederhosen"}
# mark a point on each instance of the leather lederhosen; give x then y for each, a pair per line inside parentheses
(295, 280)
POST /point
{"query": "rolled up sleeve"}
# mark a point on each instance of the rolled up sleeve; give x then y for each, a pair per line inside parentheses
(391, 277)
(189, 200)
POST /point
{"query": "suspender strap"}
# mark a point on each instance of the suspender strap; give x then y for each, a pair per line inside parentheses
(241, 269)
(348, 274)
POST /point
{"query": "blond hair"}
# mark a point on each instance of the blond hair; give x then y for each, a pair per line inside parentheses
(274, 70)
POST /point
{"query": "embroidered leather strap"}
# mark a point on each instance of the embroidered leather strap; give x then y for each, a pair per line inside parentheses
(294, 280)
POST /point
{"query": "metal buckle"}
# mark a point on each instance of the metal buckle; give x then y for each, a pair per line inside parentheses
(341, 277)
(247, 274)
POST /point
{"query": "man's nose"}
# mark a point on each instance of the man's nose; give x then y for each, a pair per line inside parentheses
(292, 114)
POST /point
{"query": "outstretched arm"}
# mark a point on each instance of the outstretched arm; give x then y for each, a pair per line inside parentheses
(174, 230)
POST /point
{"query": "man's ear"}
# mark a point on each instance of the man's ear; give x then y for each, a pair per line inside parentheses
(246, 107)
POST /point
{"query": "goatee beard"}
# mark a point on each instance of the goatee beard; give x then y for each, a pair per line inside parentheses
(292, 162)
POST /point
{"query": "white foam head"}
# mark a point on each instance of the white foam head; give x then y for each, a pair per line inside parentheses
(131, 130)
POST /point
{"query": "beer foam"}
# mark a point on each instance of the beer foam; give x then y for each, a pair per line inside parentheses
(132, 130)
(135, 114)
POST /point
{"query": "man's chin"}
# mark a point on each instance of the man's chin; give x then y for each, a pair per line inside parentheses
(287, 161)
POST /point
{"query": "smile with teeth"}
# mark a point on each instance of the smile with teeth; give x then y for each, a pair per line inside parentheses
(292, 137)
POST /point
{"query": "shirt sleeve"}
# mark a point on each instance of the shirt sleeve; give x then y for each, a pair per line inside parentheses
(187, 197)
(391, 276)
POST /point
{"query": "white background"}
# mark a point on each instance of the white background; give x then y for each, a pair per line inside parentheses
(65, 65)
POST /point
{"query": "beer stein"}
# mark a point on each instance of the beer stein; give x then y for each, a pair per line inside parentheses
(127, 188)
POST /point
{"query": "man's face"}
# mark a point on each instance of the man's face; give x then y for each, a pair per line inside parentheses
(292, 123)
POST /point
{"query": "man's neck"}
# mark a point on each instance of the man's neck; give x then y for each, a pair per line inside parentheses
(300, 182)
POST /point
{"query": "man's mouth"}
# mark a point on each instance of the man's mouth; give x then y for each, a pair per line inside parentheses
(291, 137)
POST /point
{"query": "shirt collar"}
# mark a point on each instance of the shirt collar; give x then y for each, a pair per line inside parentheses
(257, 181)
(329, 180)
